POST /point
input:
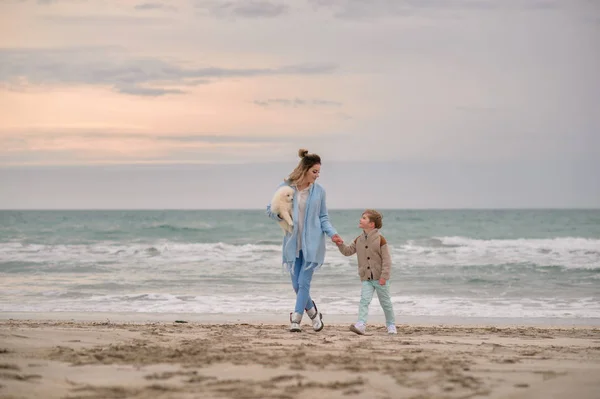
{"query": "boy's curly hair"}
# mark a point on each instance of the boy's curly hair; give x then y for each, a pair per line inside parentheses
(374, 217)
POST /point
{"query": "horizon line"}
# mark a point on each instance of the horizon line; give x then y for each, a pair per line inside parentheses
(330, 209)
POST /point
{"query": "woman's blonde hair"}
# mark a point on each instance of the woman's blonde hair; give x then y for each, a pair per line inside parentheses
(307, 161)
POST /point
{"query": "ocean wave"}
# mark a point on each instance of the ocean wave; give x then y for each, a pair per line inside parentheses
(177, 228)
(415, 305)
(16, 256)
(564, 252)
(567, 243)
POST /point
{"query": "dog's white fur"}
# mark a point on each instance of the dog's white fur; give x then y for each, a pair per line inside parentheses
(281, 204)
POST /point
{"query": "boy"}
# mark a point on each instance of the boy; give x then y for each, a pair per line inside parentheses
(374, 269)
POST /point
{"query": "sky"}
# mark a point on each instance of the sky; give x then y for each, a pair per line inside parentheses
(204, 103)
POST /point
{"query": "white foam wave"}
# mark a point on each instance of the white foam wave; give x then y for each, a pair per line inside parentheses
(132, 253)
(282, 302)
(567, 252)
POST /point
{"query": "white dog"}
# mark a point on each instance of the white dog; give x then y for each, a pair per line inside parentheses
(281, 204)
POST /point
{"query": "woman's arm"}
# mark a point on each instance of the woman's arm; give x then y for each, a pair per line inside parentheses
(272, 215)
(326, 225)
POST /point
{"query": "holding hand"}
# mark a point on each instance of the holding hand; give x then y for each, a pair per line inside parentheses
(337, 239)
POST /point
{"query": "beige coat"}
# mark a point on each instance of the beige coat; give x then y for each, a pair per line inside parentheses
(374, 260)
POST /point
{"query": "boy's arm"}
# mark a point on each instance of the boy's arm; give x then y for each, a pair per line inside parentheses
(386, 270)
(348, 250)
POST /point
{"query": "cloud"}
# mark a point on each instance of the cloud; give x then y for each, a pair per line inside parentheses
(88, 146)
(243, 8)
(476, 109)
(154, 6)
(125, 73)
(104, 20)
(359, 9)
(146, 91)
(214, 139)
(21, 138)
(296, 102)
(46, 2)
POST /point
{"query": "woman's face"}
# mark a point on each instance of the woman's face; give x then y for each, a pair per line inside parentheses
(312, 174)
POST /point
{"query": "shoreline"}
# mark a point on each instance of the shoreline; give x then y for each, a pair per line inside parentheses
(165, 360)
(235, 318)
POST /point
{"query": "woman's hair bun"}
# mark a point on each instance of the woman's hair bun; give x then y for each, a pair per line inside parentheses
(302, 152)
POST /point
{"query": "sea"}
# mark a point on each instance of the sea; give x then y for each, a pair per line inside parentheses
(524, 266)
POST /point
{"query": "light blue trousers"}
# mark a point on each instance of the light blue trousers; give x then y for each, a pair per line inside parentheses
(301, 279)
(383, 293)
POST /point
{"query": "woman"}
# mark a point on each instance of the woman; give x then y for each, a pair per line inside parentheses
(304, 249)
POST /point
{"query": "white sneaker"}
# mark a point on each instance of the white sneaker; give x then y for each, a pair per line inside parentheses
(316, 317)
(317, 322)
(295, 320)
(392, 329)
(358, 328)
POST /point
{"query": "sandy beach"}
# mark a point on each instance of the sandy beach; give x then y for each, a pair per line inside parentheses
(93, 359)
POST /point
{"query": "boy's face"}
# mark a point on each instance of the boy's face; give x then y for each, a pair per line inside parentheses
(365, 223)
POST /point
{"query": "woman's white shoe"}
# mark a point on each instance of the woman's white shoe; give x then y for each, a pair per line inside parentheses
(295, 319)
(316, 317)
